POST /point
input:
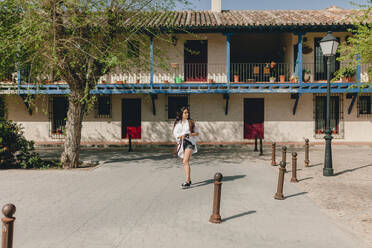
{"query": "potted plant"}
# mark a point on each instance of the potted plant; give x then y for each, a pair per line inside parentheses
(210, 81)
(272, 79)
(293, 79)
(236, 78)
(306, 74)
(348, 74)
(282, 72)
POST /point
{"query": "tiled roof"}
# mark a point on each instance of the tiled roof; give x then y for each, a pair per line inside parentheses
(249, 18)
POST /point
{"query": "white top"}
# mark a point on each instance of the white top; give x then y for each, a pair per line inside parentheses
(182, 129)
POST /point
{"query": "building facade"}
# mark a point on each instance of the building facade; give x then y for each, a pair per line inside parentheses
(242, 73)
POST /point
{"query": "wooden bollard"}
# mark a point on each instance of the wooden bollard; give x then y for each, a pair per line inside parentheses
(261, 148)
(273, 147)
(130, 144)
(279, 191)
(216, 217)
(294, 167)
(284, 156)
(307, 161)
(255, 143)
(8, 225)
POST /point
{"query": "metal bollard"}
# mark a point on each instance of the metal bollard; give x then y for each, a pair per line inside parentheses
(307, 161)
(279, 191)
(294, 167)
(261, 149)
(273, 162)
(8, 225)
(216, 217)
(130, 143)
(255, 143)
(284, 156)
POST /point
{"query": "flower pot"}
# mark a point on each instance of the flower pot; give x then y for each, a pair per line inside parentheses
(174, 65)
(166, 82)
(236, 78)
(307, 77)
(348, 79)
(137, 81)
(210, 81)
(282, 78)
(272, 80)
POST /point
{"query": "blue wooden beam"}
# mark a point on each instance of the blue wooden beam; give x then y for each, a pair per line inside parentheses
(299, 58)
(151, 61)
(153, 97)
(226, 96)
(352, 104)
(193, 88)
(228, 62)
(297, 97)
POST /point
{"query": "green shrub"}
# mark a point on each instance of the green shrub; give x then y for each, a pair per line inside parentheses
(15, 150)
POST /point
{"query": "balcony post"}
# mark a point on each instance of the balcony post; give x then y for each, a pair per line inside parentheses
(228, 65)
(299, 58)
(358, 69)
(151, 61)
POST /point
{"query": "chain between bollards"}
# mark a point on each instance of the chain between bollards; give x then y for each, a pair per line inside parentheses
(307, 161)
(261, 148)
(130, 143)
(216, 217)
(279, 191)
(294, 167)
(8, 225)
(284, 156)
(255, 143)
(273, 162)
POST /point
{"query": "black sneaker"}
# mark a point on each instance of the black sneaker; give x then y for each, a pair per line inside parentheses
(186, 185)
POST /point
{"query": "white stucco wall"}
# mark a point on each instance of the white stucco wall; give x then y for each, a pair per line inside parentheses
(209, 112)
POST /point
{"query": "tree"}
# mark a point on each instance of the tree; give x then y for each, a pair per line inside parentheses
(76, 41)
(358, 48)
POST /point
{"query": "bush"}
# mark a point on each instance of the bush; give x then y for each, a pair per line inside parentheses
(15, 150)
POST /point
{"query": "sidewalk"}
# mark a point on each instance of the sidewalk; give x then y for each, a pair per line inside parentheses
(134, 200)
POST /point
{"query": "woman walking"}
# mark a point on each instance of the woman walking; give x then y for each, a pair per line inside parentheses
(185, 131)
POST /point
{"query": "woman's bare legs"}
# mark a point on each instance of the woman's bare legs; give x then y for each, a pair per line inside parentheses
(186, 164)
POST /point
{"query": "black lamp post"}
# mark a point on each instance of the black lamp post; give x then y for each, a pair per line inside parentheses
(329, 46)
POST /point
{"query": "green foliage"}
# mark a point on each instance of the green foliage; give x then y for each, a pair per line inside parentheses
(360, 43)
(15, 150)
(345, 72)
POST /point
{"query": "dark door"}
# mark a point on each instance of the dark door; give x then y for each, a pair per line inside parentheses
(253, 118)
(60, 107)
(196, 60)
(320, 63)
(131, 118)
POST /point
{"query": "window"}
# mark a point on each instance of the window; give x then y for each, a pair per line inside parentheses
(175, 103)
(2, 107)
(133, 49)
(364, 105)
(58, 107)
(103, 107)
(321, 112)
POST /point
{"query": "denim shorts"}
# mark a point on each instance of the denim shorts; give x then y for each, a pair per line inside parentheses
(188, 145)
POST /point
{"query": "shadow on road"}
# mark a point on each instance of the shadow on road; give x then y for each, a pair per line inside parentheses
(238, 215)
(297, 194)
(224, 179)
(351, 170)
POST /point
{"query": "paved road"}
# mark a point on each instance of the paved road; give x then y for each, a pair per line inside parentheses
(134, 200)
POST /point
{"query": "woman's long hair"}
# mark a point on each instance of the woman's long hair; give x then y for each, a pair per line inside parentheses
(179, 118)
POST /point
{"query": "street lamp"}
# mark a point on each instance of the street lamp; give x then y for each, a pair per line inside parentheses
(329, 46)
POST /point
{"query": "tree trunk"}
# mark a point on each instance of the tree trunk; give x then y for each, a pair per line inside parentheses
(70, 155)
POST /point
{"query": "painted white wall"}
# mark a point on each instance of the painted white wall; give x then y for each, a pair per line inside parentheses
(209, 112)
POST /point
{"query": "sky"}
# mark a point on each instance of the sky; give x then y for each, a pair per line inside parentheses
(272, 4)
